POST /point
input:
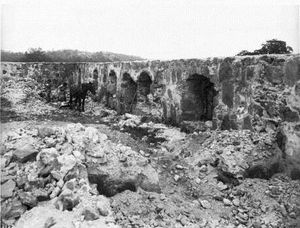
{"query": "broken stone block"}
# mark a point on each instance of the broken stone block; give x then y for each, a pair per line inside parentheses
(71, 184)
(203, 168)
(6, 159)
(67, 162)
(7, 189)
(77, 154)
(205, 204)
(24, 152)
(89, 214)
(226, 202)
(47, 156)
(79, 171)
(45, 132)
(176, 177)
(14, 210)
(40, 194)
(50, 142)
(102, 207)
(92, 134)
(28, 199)
(67, 200)
(55, 192)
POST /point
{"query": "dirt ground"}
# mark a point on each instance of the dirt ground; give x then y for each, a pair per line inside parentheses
(63, 168)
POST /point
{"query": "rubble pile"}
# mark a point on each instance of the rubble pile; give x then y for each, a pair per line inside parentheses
(54, 170)
(23, 96)
(67, 168)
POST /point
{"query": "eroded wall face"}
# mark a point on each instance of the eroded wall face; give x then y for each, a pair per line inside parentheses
(234, 93)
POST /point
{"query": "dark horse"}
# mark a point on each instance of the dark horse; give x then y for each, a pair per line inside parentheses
(80, 92)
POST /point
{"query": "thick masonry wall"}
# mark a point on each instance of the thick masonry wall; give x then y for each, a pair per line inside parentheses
(233, 82)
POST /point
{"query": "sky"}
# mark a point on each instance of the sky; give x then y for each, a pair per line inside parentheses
(153, 29)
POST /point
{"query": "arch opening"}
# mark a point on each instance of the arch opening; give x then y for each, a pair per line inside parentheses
(95, 74)
(197, 100)
(111, 89)
(95, 77)
(128, 94)
(143, 83)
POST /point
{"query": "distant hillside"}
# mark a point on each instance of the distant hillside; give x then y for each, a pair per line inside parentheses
(38, 55)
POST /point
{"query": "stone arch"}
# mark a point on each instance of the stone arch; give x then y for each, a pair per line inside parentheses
(127, 94)
(198, 98)
(95, 77)
(112, 77)
(95, 74)
(144, 82)
(111, 89)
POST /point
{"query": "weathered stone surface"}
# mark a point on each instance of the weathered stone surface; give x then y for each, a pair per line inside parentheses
(7, 189)
(28, 199)
(45, 132)
(25, 150)
(172, 75)
(13, 210)
(47, 156)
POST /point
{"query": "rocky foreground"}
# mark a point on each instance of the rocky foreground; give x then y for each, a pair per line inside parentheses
(56, 174)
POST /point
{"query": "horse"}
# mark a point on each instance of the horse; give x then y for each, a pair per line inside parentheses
(80, 92)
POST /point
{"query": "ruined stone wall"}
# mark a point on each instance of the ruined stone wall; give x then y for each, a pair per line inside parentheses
(236, 81)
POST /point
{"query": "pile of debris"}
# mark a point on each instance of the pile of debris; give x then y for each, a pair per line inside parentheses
(23, 96)
(62, 170)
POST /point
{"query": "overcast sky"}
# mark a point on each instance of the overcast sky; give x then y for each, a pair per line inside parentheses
(153, 29)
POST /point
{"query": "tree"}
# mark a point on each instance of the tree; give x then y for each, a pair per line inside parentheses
(36, 55)
(244, 52)
(273, 46)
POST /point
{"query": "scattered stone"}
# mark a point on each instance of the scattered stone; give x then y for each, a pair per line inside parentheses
(60, 183)
(7, 189)
(25, 152)
(50, 142)
(236, 202)
(222, 186)
(102, 208)
(89, 214)
(14, 210)
(28, 199)
(179, 167)
(45, 132)
(47, 156)
(71, 184)
(176, 177)
(77, 154)
(226, 202)
(6, 159)
(293, 215)
(123, 159)
(40, 194)
(55, 192)
(5, 178)
(205, 204)
(203, 168)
